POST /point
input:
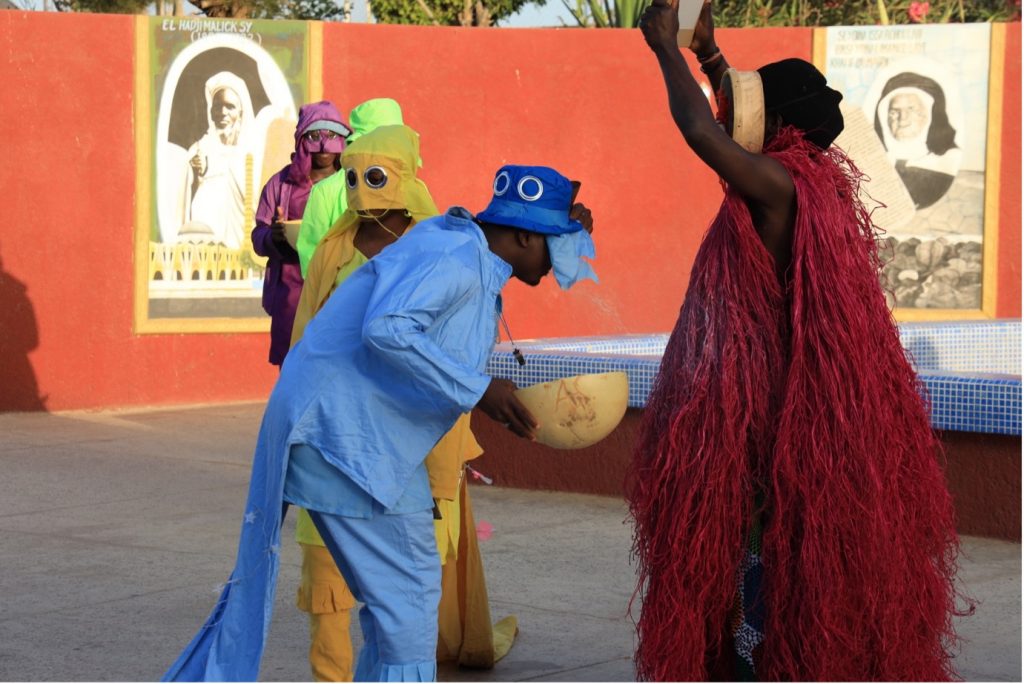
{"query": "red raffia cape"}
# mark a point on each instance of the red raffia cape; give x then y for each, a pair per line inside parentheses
(805, 394)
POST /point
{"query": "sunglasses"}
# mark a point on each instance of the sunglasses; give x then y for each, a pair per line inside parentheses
(318, 135)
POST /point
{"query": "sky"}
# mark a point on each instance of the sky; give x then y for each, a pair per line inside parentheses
(551, 14)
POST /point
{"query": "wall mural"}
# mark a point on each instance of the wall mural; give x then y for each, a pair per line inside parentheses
(917, 108)
(216, 104)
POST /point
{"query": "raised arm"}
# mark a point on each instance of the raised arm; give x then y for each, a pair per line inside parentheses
(761, 180)
(705, 48)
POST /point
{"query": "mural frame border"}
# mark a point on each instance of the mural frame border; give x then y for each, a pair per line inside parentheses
(142, 323)
(993, 183)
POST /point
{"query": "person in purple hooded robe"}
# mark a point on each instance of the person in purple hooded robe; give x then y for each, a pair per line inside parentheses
(319, 140)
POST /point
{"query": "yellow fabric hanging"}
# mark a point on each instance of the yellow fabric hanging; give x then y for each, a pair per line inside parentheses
(465, 632)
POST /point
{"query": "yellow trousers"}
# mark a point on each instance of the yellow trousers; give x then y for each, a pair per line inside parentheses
(325, 596)
(465, 633)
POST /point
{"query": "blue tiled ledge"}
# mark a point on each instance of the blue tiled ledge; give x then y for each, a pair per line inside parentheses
(970, 371)
(964, 347)
(974, 402)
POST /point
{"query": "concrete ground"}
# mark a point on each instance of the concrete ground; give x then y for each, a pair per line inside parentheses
(116, 528)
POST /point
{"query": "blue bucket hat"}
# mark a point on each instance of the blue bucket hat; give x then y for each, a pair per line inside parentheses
(538, 199)
(534, 198)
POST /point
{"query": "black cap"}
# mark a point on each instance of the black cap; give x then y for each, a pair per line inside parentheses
(796, 91)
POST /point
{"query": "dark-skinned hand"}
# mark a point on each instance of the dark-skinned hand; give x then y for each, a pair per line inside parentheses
(660, 24)
(501, 404)
(703, 43)
(277, 230)
(579, 212)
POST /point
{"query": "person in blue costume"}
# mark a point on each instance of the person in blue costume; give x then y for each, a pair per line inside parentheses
(381, 373)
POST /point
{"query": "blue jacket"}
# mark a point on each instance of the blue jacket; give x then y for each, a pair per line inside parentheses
(381, 373)
(396, 355)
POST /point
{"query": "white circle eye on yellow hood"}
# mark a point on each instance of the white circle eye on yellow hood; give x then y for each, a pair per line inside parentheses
(375, 177)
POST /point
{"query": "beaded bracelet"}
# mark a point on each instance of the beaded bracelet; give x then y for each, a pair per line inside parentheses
(709, 64)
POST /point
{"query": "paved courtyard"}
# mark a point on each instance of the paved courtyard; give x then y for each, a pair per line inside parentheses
(116, 528)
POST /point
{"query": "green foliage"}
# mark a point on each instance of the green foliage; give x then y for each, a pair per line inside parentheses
(606, 14)
(446, 12)
(750, 13)
(753, 13)
(596, 13)
(313, 10)
(320, 10)
(105, 6)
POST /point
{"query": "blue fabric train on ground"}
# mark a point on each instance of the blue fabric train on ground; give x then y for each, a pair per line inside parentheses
(410, 333)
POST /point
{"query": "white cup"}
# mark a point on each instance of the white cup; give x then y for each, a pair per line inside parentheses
(689, 12)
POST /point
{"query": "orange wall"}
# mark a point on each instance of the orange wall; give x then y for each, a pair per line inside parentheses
(589, 103)
(1008, 294)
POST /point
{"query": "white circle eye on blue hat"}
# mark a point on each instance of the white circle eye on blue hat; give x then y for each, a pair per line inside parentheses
(530, 188)
(351, 178)
(501, 183)
(376, 177)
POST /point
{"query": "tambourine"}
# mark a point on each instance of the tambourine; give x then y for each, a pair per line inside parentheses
(746, 117)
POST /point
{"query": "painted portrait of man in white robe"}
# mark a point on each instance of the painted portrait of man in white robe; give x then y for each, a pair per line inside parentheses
(215, 182)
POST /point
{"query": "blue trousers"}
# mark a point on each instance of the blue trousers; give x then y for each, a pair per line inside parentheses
(390, 563)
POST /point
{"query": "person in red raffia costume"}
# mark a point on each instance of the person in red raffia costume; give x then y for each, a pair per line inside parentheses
(792, 520)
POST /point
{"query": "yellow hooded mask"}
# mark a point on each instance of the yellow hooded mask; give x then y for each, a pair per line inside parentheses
(380, 173)
(389, 154)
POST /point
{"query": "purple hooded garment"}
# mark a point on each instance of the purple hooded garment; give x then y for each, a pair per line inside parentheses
(289, 189)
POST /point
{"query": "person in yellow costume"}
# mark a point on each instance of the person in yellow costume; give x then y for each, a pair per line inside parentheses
(390, 201)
